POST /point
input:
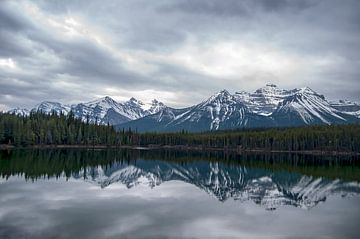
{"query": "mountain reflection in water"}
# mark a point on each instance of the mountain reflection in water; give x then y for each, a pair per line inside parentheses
(270, 180)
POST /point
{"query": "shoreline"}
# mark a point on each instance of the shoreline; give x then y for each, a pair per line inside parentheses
(185, 148)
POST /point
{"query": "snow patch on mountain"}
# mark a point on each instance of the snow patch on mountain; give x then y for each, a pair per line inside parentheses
(310, 106)
(49, 107)
(347, 107)
(264, 100)
(19, 111)
(217, 109)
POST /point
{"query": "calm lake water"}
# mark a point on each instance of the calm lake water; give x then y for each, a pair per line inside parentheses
(167, 194)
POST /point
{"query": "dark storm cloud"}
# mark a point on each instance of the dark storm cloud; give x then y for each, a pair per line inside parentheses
(11, 20)
(175, 47)
(13, 26)
(280, 5)
(10, 46)
(228, 8)
(235, 8)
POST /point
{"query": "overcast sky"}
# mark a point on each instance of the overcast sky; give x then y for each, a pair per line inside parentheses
(178, 51)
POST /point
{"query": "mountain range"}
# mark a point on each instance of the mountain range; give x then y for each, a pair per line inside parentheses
(101, 111)
(268, 106)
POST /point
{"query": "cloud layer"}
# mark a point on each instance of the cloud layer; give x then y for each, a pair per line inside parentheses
(178, 51)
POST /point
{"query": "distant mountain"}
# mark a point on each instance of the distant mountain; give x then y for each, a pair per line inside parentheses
(48, 107)
(267, 188)
(106, 110)
(265, 100)
(268, 106)
(304, 106)
(102, 111)
(156, 122)
(19, 111)
(220, 111)
(347, 107)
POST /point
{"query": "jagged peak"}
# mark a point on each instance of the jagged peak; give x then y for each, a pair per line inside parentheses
(155, 102)
(19, 111)
(223, 92)
(308, 91)
(221, 96)
(47, 104)
(133, 100)
(270, 85)
(242, 92)
(51, 105)
(106, 99)
(270, 89)
(344, 102)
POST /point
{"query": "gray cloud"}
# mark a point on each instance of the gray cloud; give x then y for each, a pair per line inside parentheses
(77, 50)
(235, 8)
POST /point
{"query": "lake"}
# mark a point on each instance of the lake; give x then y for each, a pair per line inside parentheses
(69, 193)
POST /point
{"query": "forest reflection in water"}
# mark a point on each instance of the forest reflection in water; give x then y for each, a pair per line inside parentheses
(179, 187)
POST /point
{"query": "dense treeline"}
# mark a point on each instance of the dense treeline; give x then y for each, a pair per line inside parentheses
(329, 138)
(42, 129)
(34, 164)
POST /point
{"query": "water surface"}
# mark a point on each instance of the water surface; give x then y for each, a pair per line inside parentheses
(168, 194)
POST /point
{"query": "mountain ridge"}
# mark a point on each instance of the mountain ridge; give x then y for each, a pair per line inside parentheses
(101, 111)
(268, 106)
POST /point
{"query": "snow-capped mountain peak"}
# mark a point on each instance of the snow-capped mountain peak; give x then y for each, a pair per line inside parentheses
(134, 101)
(271, 90)
(264, 100)
(19, 111)
(49, 107)
(223, 94)
(268, 106)
(102, 110)
(306, 106)
(104, 102)
(220, 97)
(155, 106)
(308, 91)
(347, 106)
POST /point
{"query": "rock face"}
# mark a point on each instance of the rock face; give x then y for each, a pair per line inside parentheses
(268, 106)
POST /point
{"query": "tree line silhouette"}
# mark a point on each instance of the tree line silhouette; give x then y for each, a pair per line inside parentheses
(53, 129)
(33, 164)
